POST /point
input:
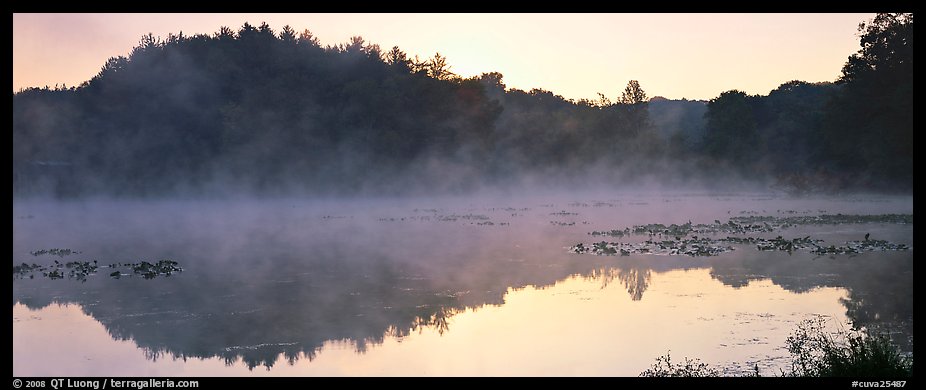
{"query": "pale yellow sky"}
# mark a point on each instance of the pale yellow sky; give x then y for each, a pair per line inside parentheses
(695, 56)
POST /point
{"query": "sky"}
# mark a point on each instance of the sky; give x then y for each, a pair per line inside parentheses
(694, 56)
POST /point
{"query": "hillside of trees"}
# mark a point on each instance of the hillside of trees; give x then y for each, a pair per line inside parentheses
(273, 113)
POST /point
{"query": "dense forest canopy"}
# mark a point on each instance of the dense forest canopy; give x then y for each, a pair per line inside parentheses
(273, 112)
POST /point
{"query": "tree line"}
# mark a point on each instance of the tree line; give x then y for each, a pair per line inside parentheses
(855, 133)
(275, 112)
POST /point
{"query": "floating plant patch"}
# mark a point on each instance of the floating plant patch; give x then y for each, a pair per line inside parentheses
(780, 244)
(55, 252)
(465, 217)
(150, 271)
(612, 233)
(689, 247)
(711, 247)
(752, 224)
(80, 270)
(859, 247)
(826, 219)
(72, 269)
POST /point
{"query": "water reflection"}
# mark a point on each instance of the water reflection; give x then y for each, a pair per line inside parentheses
(254, 294)
(233, 322)
(879, 285)
(573, 327)
(634, 279)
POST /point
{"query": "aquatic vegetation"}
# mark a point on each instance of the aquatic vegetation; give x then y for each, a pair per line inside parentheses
(72, 269)
(798, 211)
(826, 219)
(54, 274)
(490, 223)
(671, 230)
(750, 224)
(780, 244)
(150, 271)
(80, 270)
(439, 217)
(465, 217)
(689, 247)
(507, 209)
(859, 247)
(55, 252)
(19, 271)
(674, 230)
(612, 233)
(704, 246)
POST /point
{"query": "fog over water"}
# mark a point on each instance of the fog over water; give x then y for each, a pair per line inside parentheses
(270, 280)
(252, 202)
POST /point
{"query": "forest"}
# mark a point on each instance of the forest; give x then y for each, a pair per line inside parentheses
(275, 113)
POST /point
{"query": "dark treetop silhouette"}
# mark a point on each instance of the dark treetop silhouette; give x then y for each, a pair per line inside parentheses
(268, 112)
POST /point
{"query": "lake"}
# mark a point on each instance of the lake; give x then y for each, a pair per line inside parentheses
(482, 285)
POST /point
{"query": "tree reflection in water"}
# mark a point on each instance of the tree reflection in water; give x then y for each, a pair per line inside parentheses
(345, 304)
(636, 280)
(285, 292)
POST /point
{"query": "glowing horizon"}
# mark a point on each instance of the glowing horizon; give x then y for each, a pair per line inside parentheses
(694, 56)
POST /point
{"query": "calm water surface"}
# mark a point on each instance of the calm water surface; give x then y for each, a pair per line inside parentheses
(450, 286)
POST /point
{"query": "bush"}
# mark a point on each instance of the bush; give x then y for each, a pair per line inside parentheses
(842, 354)
(816, 353)
(692, 368)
